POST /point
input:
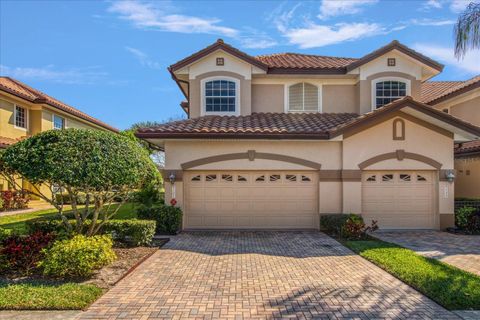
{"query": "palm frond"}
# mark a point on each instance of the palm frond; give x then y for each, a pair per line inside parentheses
(467, 30)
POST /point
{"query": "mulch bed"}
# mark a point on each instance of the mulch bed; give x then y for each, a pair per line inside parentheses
(128, 258)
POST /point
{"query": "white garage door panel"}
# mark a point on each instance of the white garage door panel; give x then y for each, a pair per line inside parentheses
(251, 200)
(399, 199)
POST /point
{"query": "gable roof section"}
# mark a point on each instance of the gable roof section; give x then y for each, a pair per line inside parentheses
(296, 63)
(378, 114)
(434, 92)
(395, 45)
(218, 45)
(21, 90)
(305, 63)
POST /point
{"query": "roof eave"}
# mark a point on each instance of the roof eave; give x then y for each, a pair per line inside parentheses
(246, 136)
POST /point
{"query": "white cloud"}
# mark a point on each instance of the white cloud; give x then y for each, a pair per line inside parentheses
(431, 22)
(147, 15)
(330, 8)
(469, 65)
(143, 58)
(315, 35)
(90, 75)
(459, 6)
(432, 4)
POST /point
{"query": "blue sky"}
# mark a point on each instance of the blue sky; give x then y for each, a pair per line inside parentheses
(109, 58)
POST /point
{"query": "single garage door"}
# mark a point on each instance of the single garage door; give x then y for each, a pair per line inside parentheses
(251, 200)
(399, 199)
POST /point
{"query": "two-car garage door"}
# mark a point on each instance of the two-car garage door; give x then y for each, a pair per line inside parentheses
(399, 199)
(251, 199)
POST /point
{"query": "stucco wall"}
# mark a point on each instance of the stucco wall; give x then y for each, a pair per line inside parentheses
(468, 110)
(328, 154)
(340, 98)
(268, 98)
(379, 139)
(467, 183)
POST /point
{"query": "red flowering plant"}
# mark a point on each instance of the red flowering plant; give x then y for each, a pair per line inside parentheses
(22, 254)
(14, 200)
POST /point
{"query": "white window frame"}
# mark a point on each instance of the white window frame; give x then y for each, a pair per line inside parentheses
(53, 121)
(287, 97)
(27, 117)
(204, 111)
(374, 87)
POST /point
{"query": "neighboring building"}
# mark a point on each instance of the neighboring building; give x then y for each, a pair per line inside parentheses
(25, 111)
(460, 99)
(275, 141)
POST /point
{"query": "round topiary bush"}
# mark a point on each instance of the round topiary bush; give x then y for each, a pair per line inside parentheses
(79, 256)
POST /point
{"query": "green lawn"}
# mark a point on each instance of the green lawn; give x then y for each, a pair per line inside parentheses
(451, 287)
(17, 222)
(68, 296)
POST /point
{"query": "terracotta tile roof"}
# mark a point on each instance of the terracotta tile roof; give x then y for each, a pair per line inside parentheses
(26, 92)
(471, 147)
(256, 125)
(291, 125)
(297, 61)
(5, 142)
(436, 91)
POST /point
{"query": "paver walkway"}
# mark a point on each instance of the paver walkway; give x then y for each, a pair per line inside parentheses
(261, 275)
(461, 251)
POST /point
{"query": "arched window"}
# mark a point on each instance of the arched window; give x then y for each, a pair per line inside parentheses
(388, 91)
(220, 96)
(303, 97)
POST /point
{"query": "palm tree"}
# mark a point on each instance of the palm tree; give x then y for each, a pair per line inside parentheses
(467, 30)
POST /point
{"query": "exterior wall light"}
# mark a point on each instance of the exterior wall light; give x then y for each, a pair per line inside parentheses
(171, 178)
(450, 176)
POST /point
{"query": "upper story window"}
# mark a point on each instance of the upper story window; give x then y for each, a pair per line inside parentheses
(221, 96)
(20, 115)
(58, 122)
(303, 97)
(388, 91)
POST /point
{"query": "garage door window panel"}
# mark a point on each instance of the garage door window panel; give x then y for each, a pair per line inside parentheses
(211, 178)
(241, 179)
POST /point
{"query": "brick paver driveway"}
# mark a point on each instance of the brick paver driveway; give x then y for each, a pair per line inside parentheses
(261, 275)
(458, 250)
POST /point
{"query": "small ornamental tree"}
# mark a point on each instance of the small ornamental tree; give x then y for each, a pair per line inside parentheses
(104, 166)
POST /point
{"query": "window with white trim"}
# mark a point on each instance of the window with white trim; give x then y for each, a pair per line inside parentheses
(20, 117)
(58, 122)
(220, 96)
(303, 97)
(388, 91)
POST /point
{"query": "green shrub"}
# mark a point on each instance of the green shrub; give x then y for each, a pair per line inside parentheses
(168, 218)
(4, 234)
(79, 256)
(135, 232)
(462, 216)
(149, 195)
(334, 223)
(348, 226)
(65, 198)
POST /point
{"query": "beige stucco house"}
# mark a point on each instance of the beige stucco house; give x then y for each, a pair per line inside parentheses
(460, 99)
(25, 111)
(276, 141)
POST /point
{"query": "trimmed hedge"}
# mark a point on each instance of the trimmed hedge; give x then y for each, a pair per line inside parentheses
(168, 218)
(135, 232)
(334, 223)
